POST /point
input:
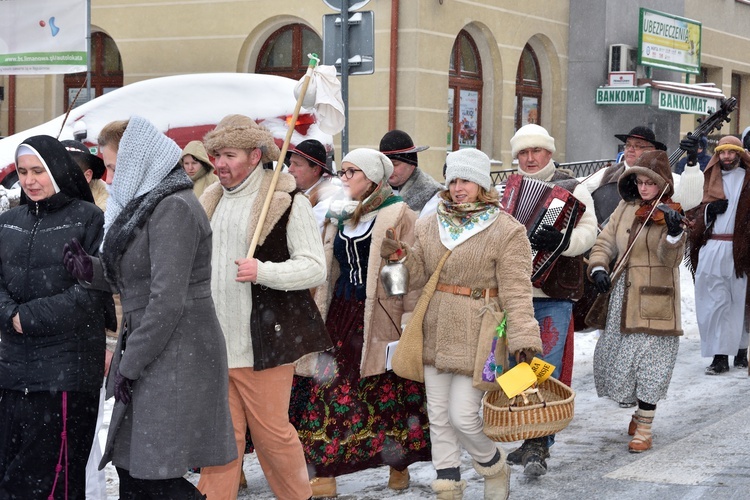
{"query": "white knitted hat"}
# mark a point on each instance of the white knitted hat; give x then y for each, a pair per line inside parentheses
(376, 166)
(469, 164)
(532, 136)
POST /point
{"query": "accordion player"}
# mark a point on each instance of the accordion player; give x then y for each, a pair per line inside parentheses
(534, 203)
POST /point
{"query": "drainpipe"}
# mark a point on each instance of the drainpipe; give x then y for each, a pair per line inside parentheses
(11, 104)
(393, 80)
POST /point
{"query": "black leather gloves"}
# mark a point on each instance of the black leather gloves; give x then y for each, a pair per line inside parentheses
(715, 208)
(690, 146)
(601, 281)
(77, 261)
(546, 238)
(673, 219)
(123, 388)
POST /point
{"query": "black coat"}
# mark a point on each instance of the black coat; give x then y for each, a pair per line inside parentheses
(62, 345)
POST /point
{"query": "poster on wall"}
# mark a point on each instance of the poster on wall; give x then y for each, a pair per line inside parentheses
(530, 110)
(43, 36)
(468, 110)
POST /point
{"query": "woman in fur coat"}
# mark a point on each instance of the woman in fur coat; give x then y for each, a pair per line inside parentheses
(487, 271)
(169, 375)
(359, 416)
(636, 353)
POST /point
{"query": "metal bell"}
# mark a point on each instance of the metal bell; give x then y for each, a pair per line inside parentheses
(395, 278)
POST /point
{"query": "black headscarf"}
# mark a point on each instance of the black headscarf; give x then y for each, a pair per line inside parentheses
(62, 167)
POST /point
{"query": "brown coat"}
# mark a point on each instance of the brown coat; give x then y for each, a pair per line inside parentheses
(498, 257)
(382, 313)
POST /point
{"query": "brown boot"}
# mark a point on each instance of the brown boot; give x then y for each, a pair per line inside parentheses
(323, 487)
(632, 425)
(642, 439)
(243, 480)
(399, 479)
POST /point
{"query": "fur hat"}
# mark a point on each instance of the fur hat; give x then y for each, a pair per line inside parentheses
(643, 133)
(82, 154)
(469, 164)
(652, 164)
(531, 136)
(397, 145)
(312, 151)
(197, 151)
(376, 166)
(241, 132)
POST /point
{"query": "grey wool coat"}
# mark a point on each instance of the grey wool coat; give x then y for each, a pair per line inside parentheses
(157, 254)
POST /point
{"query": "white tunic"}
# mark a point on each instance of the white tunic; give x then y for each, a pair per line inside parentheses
(719, 294)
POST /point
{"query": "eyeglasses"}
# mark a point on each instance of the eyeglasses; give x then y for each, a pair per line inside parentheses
(348, 173)
(645, 183)
(638, 147)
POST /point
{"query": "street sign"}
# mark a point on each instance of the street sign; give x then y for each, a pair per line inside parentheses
(338, 5)
(361, 42)
(623, 95)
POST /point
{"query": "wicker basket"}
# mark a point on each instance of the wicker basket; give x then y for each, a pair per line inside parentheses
(507, 421)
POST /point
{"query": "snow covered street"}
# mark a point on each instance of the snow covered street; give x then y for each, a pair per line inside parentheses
(700, 448)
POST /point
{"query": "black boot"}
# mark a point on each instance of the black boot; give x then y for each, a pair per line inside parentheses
(534, 463)
(740, 361)
(719, 365)
(515, 457)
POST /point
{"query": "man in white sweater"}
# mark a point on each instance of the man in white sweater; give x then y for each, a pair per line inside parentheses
(262, 302)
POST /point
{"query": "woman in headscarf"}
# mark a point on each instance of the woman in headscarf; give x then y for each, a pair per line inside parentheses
(198, 166)
(487, 271)
(359, 416)
(51, 329)
(636, 353)
(169, 375)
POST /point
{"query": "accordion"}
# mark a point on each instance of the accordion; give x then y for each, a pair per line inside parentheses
(534, 203)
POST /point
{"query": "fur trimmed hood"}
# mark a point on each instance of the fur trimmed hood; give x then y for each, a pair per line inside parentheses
(652, 164)
(241, 132)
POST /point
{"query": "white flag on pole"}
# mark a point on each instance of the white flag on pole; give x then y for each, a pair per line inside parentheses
(324, 95)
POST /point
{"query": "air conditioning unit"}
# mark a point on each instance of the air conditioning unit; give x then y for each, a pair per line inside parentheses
(622, 57)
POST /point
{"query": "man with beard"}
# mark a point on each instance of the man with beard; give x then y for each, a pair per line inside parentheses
(719, 255)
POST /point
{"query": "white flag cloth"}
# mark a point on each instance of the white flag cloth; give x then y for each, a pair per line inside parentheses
(324, 94)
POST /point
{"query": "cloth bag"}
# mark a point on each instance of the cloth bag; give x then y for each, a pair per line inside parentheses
(492, 348)
(407, 359)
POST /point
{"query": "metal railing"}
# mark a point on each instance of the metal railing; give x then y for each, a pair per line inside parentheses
(579, 169)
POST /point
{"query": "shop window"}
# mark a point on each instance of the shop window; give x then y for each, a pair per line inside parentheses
(285, 52)
(528, 89)
(106, 71)
(465, 95)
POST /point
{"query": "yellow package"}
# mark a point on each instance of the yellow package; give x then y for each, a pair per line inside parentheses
(517, 379)
(541, 369)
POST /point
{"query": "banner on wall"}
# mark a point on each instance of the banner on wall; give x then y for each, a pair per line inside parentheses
(43, 36)
(669, 42)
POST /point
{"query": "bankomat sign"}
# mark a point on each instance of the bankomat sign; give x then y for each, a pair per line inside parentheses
(682, 103)
(623, 95)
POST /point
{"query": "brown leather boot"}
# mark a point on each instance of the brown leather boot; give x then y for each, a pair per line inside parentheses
(642, 439)
(243, 480)
(632, 425)
(399, 479)
(323, 487)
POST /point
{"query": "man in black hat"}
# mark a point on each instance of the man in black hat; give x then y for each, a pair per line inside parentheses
(307, 163)
(603, 184)
(93, 169)
(408, 181)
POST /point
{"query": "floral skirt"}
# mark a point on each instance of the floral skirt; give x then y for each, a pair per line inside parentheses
(347, 423)
(632, 366)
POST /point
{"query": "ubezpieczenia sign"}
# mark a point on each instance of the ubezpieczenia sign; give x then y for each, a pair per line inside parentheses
(670, 42)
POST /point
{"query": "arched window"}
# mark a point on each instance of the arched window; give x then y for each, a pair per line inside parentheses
(464, 95)
(285, 51)
(106, 71)
(528, 89)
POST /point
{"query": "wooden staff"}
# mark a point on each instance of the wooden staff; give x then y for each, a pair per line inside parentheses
(280, 161)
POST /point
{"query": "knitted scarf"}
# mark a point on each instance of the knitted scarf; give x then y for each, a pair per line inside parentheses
(458, 222)
(144, 158)
(342, 208)
(133, 217)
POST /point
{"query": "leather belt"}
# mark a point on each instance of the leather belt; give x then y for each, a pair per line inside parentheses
(722, 237)
(474, 293)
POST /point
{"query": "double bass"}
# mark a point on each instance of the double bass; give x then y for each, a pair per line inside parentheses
(607, 197)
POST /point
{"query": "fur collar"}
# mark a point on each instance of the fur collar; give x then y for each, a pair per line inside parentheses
(133, 217)
(282, 199)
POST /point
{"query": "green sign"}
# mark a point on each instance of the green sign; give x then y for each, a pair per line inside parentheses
(669, 42)
(682, 103)
(623, 95)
